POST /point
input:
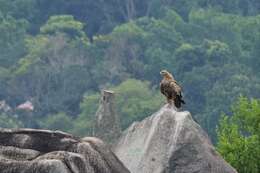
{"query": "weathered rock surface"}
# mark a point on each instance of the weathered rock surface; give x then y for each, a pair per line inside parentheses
(107, 125)
(169, 142)
(43, 151)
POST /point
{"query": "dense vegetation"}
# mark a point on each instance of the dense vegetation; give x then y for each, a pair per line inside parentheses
(59, 54)
(239, 136)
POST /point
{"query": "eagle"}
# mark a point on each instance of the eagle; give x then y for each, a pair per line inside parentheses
(171, 89)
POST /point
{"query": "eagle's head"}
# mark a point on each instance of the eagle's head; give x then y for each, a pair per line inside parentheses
(166, 74)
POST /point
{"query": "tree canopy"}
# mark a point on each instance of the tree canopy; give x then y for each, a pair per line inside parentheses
(238, 136)
(60, 54)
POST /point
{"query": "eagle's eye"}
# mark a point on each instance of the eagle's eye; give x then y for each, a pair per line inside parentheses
(163, 72)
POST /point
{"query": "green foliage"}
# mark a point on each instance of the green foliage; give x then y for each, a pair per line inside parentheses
(9, 121)
(12, 35)
(134, 101)
(52, 63)
(19, 8)
(59, 121)
(65, 24)
(130, 29)
(246, 114)
(211, 46)
(188, 57)
(35, 46)
(173, 18)
(238, 136)
(84, 123)
(217, 52)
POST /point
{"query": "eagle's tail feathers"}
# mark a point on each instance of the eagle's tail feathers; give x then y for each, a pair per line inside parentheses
(178, 101)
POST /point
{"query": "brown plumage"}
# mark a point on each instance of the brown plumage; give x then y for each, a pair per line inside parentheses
(171, 89)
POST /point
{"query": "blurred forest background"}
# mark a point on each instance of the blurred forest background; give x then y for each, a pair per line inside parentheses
(59, 54)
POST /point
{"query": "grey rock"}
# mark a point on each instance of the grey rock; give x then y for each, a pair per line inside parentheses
(44, 151)
(107, 125)
(169, 142)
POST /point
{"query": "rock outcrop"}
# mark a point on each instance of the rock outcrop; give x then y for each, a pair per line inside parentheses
(107, 125)
(43, 151)
(169, 142)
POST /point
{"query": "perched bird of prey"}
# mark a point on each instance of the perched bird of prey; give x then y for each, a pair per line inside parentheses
(171, 89)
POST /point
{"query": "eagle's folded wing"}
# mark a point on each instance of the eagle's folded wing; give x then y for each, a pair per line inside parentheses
(176, 87)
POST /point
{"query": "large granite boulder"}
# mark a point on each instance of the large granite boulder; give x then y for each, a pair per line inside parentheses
(169, 142)
(43, 151)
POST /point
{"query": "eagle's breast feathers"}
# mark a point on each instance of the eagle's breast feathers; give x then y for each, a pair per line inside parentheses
(170, 88)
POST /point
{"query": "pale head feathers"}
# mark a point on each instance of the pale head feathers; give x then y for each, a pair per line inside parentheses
(166, 74)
